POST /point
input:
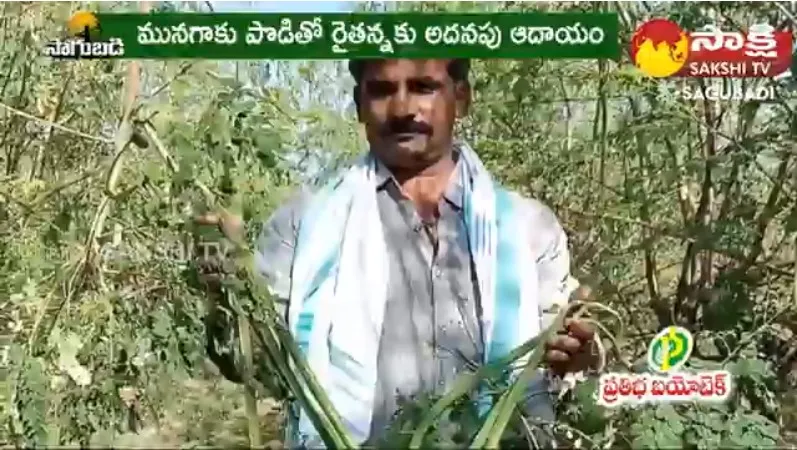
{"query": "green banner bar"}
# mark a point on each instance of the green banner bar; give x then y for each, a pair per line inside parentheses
(364, 35)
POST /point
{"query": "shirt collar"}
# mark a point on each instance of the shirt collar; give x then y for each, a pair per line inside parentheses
(453, 193)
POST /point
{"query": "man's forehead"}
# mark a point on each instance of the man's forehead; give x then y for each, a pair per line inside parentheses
(406, 68)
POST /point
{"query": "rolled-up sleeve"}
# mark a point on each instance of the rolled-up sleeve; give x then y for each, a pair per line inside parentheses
(274, 249)
(553, 267)
(550, 246)
(555, 284)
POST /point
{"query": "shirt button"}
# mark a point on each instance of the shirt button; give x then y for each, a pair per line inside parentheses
(437, 272)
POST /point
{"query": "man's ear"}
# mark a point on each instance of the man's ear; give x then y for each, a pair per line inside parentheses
(462, 93)
(356, 93)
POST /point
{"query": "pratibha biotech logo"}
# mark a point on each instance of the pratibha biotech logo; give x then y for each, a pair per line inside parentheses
(667, 355)
(670, 349)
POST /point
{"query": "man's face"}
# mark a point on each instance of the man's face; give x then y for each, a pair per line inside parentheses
(408, 108)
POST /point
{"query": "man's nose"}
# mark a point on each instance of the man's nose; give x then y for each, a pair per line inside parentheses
(402, 104)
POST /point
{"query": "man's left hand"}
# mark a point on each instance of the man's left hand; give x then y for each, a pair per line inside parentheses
(572, 349)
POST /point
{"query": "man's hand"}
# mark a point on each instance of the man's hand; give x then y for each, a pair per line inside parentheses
(210, 260)
(230, 225)
(572, 349)
(211, 253)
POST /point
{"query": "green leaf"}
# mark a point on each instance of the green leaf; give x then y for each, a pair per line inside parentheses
(755, 370)
(521, 87)
(592, 417)
(161, 327)
(790, 223)
(186, 171)
(647, 440)
(68, 348)
(666, 438)
(714, 421)
(667, 412)
(702, 364)
(31, 402)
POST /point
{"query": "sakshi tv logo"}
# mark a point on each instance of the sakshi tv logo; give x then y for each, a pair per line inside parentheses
(660, 49)
(83, 39)
(666, 381)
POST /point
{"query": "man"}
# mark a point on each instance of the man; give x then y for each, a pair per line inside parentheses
(413, 264)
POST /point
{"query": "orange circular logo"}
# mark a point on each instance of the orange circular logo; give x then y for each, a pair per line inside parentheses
(659, 48)
(83, 24)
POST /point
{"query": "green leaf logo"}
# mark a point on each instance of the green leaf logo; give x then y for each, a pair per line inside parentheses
(670, 349)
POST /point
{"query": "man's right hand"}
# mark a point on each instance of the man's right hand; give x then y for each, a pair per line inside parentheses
(230, 225)
(212, 249)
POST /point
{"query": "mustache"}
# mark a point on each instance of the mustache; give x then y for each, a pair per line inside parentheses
(409, 125)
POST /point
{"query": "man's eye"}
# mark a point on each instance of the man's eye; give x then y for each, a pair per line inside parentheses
(425, 88)
(380, 89)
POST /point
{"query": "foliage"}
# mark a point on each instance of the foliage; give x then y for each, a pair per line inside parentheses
(678, 212)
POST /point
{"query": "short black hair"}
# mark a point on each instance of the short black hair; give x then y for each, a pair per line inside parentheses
(458, 69)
